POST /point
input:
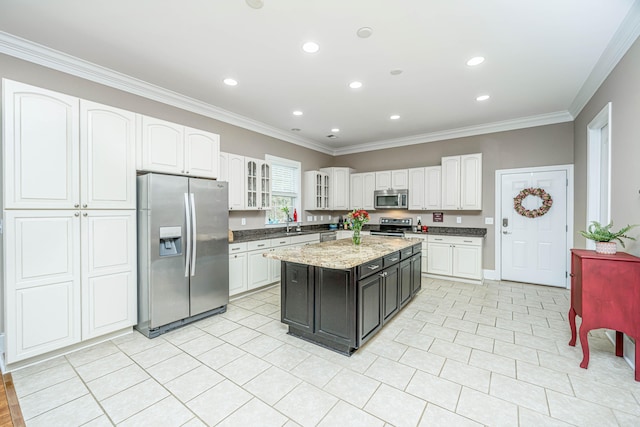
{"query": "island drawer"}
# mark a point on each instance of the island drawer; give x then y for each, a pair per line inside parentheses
(406, 252)
(369, 268)
(391, 259)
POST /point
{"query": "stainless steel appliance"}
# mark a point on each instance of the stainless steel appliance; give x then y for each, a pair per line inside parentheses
(328, 236)
(391, 199)
(183, 251)
(395, 227)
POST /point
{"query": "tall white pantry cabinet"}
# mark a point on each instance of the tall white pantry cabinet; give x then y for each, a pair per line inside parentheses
(69, 220)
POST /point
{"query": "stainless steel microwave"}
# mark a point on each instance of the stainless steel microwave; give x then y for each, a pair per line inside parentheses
(391, 199)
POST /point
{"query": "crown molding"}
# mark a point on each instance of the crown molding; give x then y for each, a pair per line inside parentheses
(50, 58)
(506, 125)
(620, 43)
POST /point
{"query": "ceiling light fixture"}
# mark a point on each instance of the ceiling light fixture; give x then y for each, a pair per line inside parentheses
(476, 60)
(483, 98)
(395, 72)
(364, 32)
(297, 113)
(355, 85)
(335, 130)
(311, 47)
(394, 117)
(230, 82)
(255, 4)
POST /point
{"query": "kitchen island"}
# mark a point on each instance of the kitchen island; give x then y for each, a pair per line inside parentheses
(339, 295)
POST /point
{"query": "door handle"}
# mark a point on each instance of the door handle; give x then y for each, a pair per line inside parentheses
(506, 232)
(194, 230)
(187, 216)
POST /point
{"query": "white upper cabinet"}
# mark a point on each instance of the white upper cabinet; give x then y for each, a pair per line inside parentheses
(462, 182)
(339, 183)
(316, 190)
(258, 184)
(107, 147)
(393, 179)
(41, 148)
(361, 192)
(171, 148)
(425, 188)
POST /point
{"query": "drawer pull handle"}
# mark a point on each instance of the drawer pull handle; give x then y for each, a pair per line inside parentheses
(283, 242)
(437, 239)
(468, 241)
(393, 259)
(373, 267)
(261, 245)
(235, 249)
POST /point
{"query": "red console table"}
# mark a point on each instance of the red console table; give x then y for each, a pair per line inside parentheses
(605, 292)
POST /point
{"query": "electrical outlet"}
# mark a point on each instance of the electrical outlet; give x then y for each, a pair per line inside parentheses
(458, 220)
(244, 221)
(321, 218)
(309, 218)
(315, 218)
(329, 217)
(488, 220)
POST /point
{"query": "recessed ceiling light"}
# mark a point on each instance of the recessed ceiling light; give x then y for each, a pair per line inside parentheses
(335, 130)
(230, 82)
(256, 4)
(394, 117)
(311, 47)
(355, 85)
(476, 60)
(332, 136)
(297, 113)
(482, 98)
(395, 72)
(364, 32)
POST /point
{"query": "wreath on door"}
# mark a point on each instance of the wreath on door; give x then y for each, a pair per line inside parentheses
(547, 201)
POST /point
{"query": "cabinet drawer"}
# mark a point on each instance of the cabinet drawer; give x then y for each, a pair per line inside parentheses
(305, 238)
(456, 240)
(406, 252)
(258, 244)
(391, 259)
(369, 268)
(283, 241)
(235, 248)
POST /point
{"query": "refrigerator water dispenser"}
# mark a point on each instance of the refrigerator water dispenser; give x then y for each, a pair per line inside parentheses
(170, 241)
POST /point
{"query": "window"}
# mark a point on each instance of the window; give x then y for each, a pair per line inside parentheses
(285, 189)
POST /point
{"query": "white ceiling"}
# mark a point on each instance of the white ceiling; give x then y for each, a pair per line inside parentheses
(542, 58)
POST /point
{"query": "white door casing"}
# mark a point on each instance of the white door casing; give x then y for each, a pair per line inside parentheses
(534, 250)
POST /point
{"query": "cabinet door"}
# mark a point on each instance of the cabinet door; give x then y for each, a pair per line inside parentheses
(236, 182)
(265, 185)
(439, 259)
(107, 146)
(201, 151)
(417, 189)
(42, 282)
(390, 292)
(369, 307)
(162, 146)
(340, 188)
(326, 191)
(237, 273)
(383, 180)
(416, 273)
(356, 191)
(109, 279)
(471, 181)
(451, 182)
(223, 166)
(41, 148)
(424, 266)
(297, 296)
(405, 276)
(467, 261)
(400, 179)
(259, 267)
(433, 188)
(335, 304)
(252, 191)
(369, 183)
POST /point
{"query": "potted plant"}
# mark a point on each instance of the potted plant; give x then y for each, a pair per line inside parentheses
(605, 238)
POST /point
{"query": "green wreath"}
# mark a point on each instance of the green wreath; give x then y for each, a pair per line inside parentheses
(547, 201)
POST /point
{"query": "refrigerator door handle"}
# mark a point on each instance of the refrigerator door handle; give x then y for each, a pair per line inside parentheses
(194, 230)
(187, 215)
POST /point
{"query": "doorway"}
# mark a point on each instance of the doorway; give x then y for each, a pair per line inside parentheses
(534, 250)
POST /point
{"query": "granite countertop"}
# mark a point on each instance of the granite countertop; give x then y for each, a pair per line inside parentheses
(342, 254)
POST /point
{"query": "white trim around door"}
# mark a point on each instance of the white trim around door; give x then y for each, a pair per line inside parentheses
(498, 241)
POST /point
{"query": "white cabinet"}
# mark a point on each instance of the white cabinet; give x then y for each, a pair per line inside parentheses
(462, 182)
(455, 256)
(425, 188)
(393, 179)
(424, 259)
(339, 184)
(316, 190)
(259, 267)
(171, 148)
(361, 191)
(237, 268)
(232, 171)
(258, 184)
(274, 268)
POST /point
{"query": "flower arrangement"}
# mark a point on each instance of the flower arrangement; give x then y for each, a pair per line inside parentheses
(357, 218)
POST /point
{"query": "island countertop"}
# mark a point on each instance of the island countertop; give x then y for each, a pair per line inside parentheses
(342, 254)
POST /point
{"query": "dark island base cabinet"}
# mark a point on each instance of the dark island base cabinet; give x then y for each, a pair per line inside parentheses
(343, 309)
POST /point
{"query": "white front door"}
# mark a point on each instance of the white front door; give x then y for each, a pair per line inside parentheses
(534, 249)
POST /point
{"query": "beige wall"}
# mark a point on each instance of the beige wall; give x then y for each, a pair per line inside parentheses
(538, 146)
(622, 89)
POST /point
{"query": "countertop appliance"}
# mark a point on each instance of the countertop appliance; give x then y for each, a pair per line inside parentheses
(183, 251)
(391, 199)
(395, 227)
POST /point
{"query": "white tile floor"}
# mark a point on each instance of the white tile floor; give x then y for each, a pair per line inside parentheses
(458, 355)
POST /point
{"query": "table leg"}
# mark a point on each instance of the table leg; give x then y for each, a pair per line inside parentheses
(572, 324)
(619, 344)
(584, 330)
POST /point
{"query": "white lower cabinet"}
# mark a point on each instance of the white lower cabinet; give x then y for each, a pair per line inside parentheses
(259, 267)
(423, 259)
(455, 256)
(237, 268)
(57, 294)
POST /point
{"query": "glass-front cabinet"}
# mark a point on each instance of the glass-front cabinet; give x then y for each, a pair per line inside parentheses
(258, 184)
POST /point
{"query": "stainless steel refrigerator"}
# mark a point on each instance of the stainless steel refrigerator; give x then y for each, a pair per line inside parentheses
(183, 251)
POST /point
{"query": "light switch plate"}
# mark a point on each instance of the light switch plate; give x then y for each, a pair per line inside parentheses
(244, 221)
(321, 218)
(488, 220)
(309, 218)
(458, 220)
(315, 218)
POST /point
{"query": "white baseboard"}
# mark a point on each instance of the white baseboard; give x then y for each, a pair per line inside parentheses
(490, 274)
(628, 348)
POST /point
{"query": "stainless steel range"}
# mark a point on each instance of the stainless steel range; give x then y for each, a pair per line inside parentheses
(395, 227)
